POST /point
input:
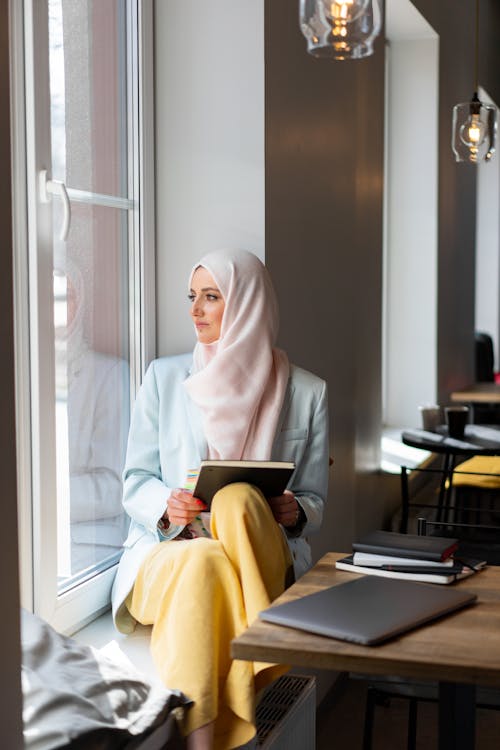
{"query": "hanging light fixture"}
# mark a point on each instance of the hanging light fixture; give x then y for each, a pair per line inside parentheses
(340, 29)
(474, 123)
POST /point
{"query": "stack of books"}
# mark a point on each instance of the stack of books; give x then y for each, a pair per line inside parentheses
(429, 559)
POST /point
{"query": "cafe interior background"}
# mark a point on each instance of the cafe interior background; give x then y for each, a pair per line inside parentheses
(384, 251)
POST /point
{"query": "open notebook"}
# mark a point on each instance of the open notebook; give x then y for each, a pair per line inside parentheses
(368, 610)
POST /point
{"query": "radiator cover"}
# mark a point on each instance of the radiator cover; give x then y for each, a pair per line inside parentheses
(286, 714)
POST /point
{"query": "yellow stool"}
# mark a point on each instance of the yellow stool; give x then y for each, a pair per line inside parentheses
(484, 473)
(476, 486)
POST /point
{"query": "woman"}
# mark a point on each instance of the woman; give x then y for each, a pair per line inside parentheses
(200, 581)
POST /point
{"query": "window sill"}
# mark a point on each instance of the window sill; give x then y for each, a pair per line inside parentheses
(132, 648)
(394, 453)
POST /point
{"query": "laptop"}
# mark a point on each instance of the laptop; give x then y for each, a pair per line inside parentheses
(368, 610)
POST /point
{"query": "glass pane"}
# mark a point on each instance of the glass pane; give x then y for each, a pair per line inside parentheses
(88, 77)
(91, 303)
(92, 390)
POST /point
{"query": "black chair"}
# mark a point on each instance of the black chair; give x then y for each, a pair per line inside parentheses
(381, 691)
(485, 373)
(484, 358)
(461, 501)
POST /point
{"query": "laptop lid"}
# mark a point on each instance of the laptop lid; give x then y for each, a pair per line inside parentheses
(368, 610)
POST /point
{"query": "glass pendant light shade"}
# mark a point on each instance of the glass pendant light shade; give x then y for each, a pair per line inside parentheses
(340, 29)
(474, 131)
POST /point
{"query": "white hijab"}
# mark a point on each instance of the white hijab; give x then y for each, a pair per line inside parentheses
(70, 344)
(239, 381)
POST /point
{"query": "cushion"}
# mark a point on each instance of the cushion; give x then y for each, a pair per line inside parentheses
(76, 697)
(486, 472)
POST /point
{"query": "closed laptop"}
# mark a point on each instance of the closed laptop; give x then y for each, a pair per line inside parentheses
(368, 610)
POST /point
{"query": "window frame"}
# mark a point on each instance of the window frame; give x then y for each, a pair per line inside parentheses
(33, 328)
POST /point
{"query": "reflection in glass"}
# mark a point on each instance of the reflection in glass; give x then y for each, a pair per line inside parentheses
(88, 58)
(87, 42)
(92, 393)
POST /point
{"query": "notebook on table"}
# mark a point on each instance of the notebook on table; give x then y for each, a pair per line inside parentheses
(368, 610)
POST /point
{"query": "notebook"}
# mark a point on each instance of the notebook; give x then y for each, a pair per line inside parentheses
(368, 610)
(396, 544)
(271, 477)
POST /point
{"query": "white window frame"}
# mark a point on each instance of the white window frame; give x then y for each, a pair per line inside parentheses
(33, 316)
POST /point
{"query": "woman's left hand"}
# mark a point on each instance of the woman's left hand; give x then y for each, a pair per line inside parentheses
(285, 509)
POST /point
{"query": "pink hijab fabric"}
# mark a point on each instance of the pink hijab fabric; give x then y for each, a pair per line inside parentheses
(239, 381)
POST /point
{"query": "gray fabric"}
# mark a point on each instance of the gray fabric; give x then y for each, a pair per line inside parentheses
(76, 697)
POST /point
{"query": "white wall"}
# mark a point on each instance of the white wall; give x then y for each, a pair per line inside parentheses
(487, 316)
(411, 229)
(209, 89)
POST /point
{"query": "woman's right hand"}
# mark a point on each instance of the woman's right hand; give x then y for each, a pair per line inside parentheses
(183, 507)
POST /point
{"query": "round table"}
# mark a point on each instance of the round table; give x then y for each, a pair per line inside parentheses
(479, 440)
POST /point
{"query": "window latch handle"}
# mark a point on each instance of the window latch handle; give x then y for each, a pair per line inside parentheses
(56, 187)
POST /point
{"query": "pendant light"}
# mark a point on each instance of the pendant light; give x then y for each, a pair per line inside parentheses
(474, 123)
(340, 29)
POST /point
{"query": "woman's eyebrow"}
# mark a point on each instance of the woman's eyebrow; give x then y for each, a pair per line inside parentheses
(207, 289)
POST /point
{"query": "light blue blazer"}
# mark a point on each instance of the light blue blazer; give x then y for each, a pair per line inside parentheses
(166, 440)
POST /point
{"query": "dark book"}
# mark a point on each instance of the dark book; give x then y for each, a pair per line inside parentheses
(271, 477)
(425, 574)
(406, 545)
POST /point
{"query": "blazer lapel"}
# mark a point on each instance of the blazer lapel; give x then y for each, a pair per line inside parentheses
(196, 426)
(284, 409)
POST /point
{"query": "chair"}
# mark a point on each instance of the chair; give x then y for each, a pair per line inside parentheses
(476, 486)
(380, 691)
(485, 373)
(461, 500)
(431, 487)
(484, 358)
(473, 513)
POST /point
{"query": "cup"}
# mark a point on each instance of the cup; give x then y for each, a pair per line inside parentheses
(431, 416)
(456, 419)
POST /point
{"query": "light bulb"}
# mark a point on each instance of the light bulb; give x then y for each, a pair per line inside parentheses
(343, 12)
(346, 11)
(472, 132)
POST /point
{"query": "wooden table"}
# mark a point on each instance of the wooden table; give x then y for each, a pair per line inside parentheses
(459, 651)
(483, 400)
(478, 393)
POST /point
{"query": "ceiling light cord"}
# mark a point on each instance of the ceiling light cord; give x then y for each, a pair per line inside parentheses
(476, 51)
(474, 126)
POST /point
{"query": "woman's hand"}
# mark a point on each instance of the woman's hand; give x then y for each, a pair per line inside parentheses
(183, 508)
(285, 509)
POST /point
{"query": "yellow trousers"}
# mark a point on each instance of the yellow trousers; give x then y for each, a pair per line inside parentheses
(199, 594)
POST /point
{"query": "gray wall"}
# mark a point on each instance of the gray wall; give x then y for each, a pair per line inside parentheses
(10, 705)
(209, 99)
(454, 22)
(457, 209)
(324, 180)
(324, 183)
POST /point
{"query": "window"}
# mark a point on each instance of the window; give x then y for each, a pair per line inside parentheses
(83, 331)
(410, 232)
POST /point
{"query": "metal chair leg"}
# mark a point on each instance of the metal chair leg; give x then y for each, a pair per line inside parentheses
(371, 698)
(412, 724)
(405, 501)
